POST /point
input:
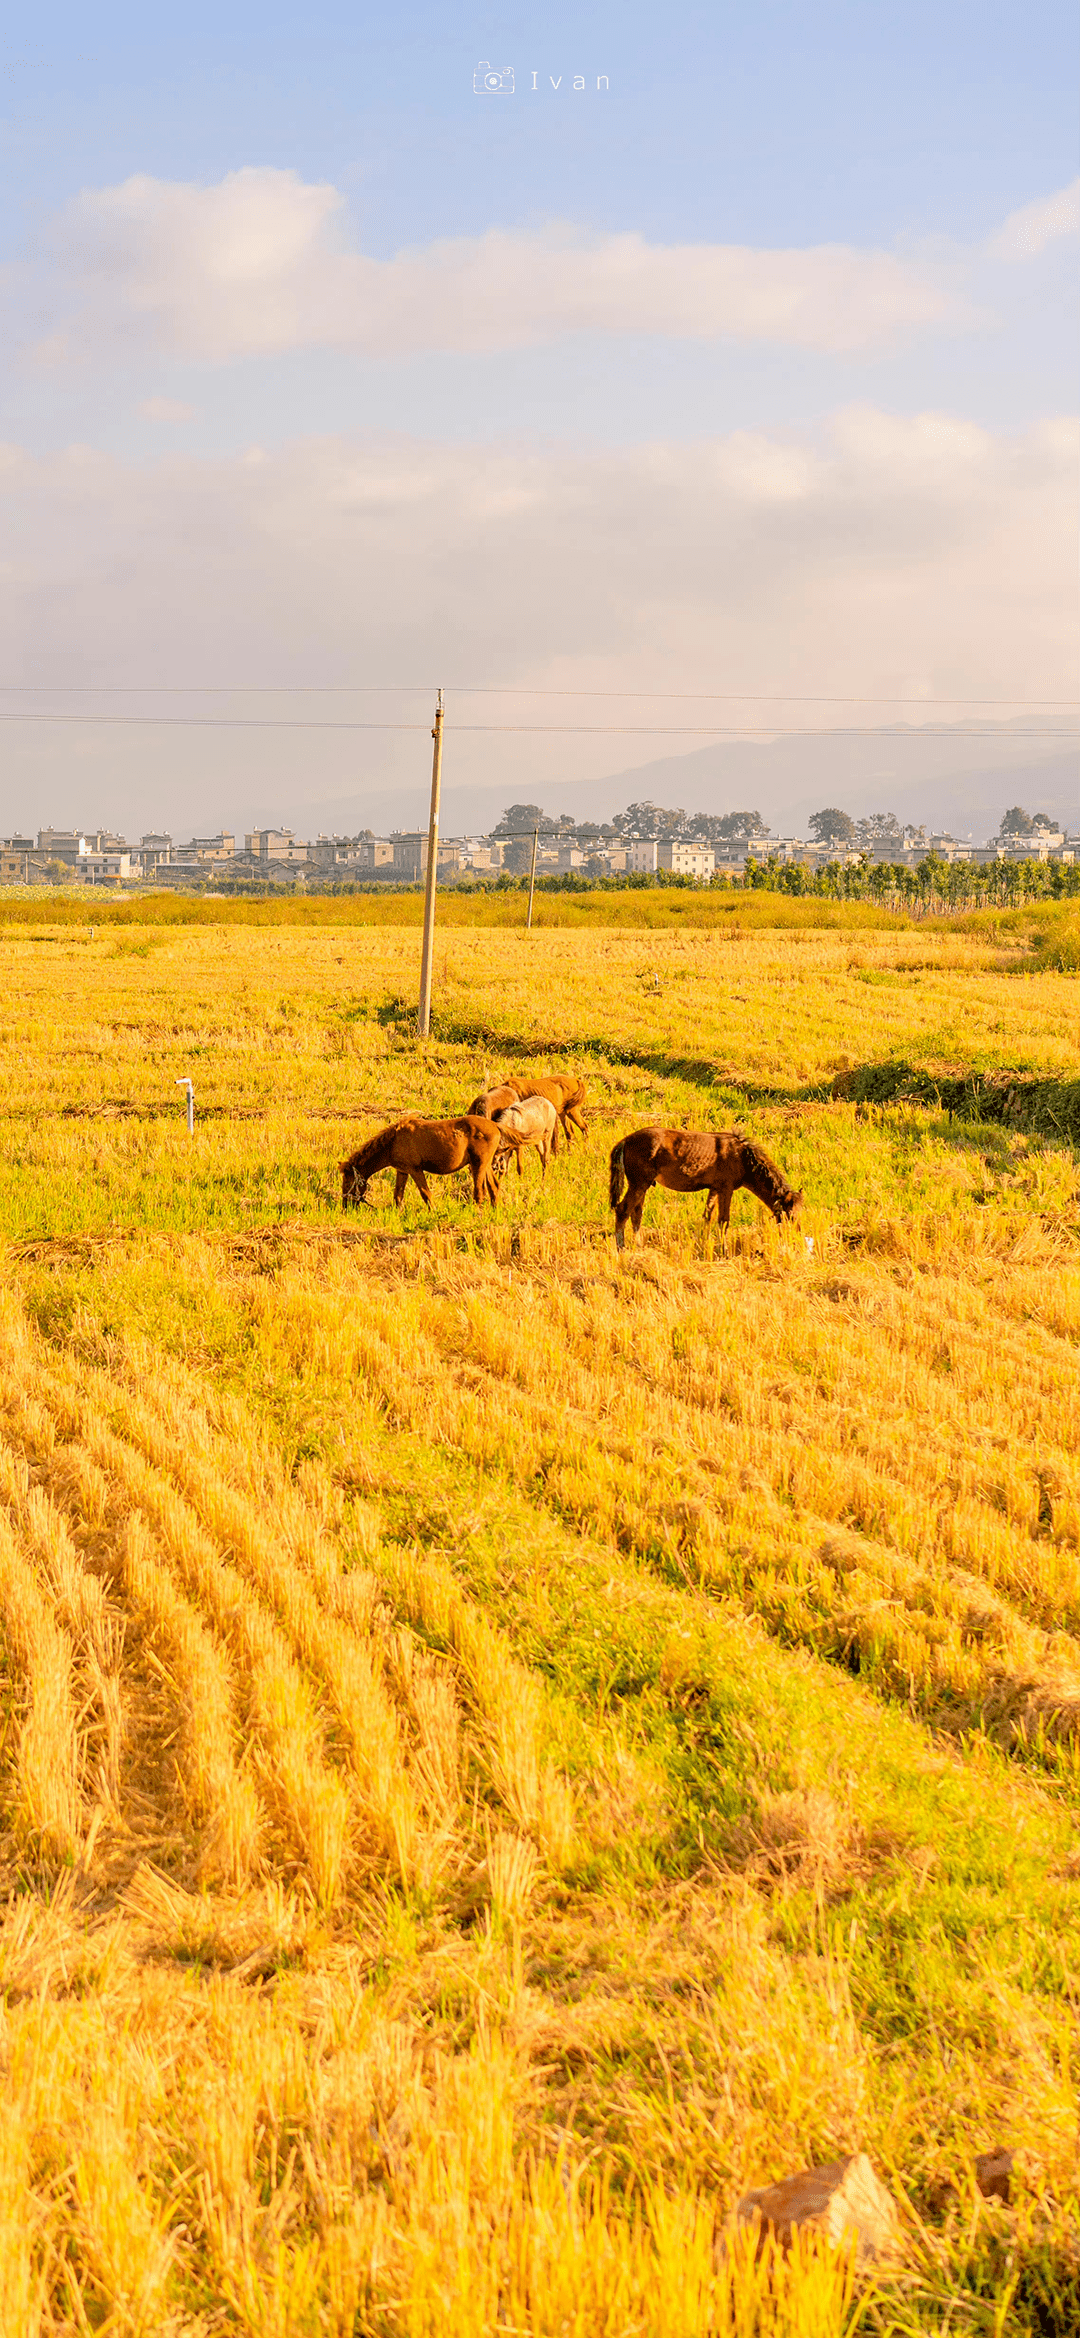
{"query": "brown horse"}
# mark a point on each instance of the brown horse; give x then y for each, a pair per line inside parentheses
(496, 1099)
(534, 1118)
(561, 1089)
(426, 1148)
(688, 1162)
(566, 1093)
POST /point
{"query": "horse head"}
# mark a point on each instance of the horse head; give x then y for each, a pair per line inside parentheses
(769, 1183)
(354, 1184)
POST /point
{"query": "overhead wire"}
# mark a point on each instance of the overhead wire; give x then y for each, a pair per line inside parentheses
(254, 722)
(492, 690)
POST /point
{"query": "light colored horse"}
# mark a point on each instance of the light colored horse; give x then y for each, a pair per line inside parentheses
(534, 1122)
(561, 1089)
(566, 1092)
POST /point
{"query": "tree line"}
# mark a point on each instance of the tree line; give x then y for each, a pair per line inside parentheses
(934, 884)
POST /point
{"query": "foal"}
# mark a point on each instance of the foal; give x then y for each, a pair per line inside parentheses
(689, 1162)
(560, 1089)
(427, 1148)
(566, 1093)
(535, 1122)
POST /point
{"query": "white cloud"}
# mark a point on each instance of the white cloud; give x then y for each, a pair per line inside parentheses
(258, 264)
(889, 555)
(166, 410)
(1028, 231)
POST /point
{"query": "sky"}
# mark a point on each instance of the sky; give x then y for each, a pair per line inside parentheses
(713, 368)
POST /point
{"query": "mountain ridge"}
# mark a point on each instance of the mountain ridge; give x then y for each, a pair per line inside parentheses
(962, 781)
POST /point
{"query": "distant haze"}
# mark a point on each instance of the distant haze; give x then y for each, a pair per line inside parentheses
(956, 782)
(941, 779)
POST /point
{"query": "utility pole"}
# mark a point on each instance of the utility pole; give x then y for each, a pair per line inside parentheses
(423, 1019)
(532, 880)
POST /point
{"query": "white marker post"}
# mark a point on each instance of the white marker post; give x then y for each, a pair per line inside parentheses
(190, 1105)
(532, 880)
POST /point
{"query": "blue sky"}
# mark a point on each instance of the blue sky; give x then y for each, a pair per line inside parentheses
(751, 122)
(774, 220)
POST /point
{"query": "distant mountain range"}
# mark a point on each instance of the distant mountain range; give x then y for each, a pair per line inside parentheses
(957, 779)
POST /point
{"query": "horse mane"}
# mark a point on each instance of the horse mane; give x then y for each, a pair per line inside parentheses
(760, 1171)
(361, 1163)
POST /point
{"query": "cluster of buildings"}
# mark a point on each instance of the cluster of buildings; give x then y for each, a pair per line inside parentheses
(915, 845)
(99, 857)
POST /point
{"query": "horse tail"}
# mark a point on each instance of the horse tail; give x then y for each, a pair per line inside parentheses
(618, 1174)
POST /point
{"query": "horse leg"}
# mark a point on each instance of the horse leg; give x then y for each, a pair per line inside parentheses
(485, 1183)
(422, 1187)
(400, 1182)
(630, 1207)
(543, 1150)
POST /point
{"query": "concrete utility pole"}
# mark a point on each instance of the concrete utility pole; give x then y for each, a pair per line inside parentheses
(423, 1019)
(532, 879)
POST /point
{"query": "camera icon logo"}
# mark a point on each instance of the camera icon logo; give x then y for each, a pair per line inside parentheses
(488, 84)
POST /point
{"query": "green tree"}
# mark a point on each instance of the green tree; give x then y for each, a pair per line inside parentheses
(832, 826)
(521, 819)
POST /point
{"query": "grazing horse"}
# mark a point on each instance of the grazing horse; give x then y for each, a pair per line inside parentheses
(689, 1162)
(561, 1089)
(496, 1099)
(426, 1148)
(566, 1093)
(534, 1121)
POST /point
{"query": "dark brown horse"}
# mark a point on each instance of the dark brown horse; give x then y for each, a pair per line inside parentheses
(426, 1148)
(689, 1162)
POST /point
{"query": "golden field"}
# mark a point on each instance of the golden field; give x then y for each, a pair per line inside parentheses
(508, 1747)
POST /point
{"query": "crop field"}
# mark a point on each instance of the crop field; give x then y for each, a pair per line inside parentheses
(507, 1746)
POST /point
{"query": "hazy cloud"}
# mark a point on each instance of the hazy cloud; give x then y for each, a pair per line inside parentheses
(1028, 231)
(890, 555)
(166, 410)
(258, 263)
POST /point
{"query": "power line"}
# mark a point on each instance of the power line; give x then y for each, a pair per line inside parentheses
(484, 690)
(254, 722)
